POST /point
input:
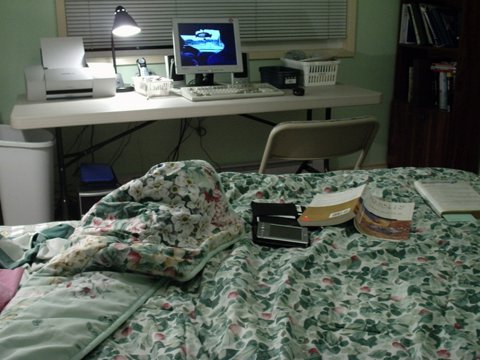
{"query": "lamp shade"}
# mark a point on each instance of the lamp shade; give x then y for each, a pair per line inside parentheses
(123, 26)
(123, 23)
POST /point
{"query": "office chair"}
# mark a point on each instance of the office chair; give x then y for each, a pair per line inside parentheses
(320, 139)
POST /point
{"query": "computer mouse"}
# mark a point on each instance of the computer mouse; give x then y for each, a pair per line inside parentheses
(298, 91)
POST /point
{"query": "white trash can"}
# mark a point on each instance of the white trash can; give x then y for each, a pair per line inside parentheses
(26, 175)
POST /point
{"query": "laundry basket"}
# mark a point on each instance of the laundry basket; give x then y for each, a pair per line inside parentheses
(315, 73)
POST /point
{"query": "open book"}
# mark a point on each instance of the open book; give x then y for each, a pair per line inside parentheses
(446, 197)
(372, 215)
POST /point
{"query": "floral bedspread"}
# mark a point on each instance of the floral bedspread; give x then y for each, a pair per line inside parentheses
(347, 296)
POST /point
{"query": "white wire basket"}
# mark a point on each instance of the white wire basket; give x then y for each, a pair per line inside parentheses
(315, 73)
(152, 86)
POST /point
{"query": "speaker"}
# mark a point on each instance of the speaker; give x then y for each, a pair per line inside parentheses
(241, 77)
(178, 80)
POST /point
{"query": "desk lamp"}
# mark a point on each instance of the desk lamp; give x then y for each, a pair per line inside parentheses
(123, 26)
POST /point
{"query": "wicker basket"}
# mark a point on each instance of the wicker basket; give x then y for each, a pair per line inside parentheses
(315, 73)
(152, 86)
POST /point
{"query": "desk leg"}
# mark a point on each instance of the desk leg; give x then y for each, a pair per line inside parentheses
(62, 178)
(326, 162)
(328, 113)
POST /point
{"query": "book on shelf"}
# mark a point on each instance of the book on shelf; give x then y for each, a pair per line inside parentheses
(450, 198)
(431, 84)
(420, 83)
(450, 19)
(432, 36)
(371, 215)
(444, 84)
(418, 24)
(407, 31)
(444, 24)
(427, 24)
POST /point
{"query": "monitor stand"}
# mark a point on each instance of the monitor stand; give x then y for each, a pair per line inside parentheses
(203, 79)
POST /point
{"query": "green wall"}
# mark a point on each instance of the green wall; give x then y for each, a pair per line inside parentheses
(22, 24)
(228, 139)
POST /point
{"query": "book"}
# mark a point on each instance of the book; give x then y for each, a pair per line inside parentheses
(447, 197)
(438, 22)
(450, 19)
(402, 33)
(371, 215)
(418, 24)
(443, 91)
(444, 83)
(422, 93)
(331, 208)
(432, 37)
(407, 32)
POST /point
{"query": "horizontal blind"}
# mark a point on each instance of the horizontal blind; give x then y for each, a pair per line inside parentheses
(260, 20)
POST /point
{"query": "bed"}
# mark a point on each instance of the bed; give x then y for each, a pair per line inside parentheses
(165, 268)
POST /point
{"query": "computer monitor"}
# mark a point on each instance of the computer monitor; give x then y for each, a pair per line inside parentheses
(204, 47)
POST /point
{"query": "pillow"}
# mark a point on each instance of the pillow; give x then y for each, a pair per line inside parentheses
(9, 282)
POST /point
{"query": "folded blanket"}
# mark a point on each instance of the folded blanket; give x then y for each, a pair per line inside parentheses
(9, 280)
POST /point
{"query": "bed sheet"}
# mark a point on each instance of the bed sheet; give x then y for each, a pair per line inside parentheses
(346, 296)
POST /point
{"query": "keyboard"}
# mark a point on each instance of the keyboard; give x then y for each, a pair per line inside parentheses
(234, 91)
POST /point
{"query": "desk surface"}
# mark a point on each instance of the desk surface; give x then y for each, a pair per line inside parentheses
(132, 107)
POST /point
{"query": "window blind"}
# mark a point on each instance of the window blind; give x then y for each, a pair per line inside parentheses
(260, 20)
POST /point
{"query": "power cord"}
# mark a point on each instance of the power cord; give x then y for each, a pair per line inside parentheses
(182, 137)
(200, 130)
(121, 148)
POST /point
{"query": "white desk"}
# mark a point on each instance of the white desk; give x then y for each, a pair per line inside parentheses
(133, 107)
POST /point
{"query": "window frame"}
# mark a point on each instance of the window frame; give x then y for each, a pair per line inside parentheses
(257, 51)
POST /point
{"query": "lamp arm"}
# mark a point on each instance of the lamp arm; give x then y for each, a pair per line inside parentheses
(113, 54)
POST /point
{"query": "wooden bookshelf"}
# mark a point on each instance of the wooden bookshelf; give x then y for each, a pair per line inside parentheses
(422, 132)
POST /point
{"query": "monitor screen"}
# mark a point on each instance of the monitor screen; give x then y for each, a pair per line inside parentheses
(207, 46)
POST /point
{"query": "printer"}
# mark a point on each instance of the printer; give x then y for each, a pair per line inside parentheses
(64, 72)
